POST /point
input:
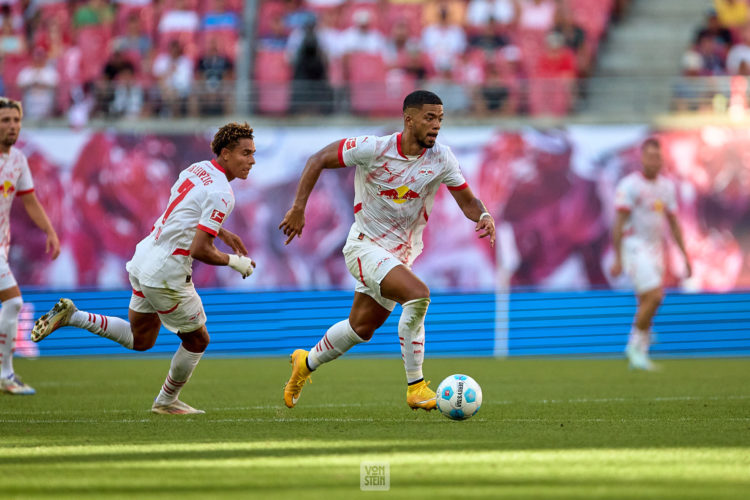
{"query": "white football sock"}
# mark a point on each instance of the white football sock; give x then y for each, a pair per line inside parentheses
(109, 327)
(639, 339)
(183, 364)
(411, 337)
(8, 328)
(337, 340)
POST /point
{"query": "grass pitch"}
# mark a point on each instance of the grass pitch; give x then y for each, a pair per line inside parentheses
(547, 429)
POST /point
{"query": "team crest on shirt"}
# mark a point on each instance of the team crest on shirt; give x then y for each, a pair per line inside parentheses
(8, 188)
(350, 143)
(217, 216)
(400, 194)
(658, 206)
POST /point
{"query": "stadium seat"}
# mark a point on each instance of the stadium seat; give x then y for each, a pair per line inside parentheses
(272, 77)
(370, 92)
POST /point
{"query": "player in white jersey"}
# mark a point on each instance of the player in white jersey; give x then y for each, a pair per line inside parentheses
(15, 180)
(396, 179)
(160, 271)
(642, 200)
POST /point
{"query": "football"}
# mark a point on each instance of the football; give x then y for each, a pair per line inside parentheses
(459, 397)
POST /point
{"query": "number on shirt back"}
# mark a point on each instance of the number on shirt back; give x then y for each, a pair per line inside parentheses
(183, 190)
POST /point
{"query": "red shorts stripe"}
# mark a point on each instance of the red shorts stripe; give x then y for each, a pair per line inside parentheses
(207, 229)
(341, 153)
(361, 276)
(138, 293)
(459, 188)
(181, 251)
(170, 309)
(357, 207)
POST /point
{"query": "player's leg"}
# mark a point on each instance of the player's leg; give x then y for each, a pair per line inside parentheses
(11, 300)
(403, 286)
(366, 316)
(643, 265)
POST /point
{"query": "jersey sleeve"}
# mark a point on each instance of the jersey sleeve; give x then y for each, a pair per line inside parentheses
(25, 183)
(357, 151)
(624, 198)
(453, 178)
(214, 211)
(671, 201)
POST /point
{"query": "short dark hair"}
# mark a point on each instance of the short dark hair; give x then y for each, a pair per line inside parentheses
(6, 102)
(229, 135)
(419, 98)
(651, 141)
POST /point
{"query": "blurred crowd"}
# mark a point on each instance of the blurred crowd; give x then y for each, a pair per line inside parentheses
(171, 58)
(716, 64)
(119, 58)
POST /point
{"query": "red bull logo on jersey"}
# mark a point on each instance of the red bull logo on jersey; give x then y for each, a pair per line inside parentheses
(658, 206)
(8, 188)
(400, 194)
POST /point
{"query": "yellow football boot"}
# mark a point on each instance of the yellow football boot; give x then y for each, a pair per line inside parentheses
(300, 375)
(420, 396)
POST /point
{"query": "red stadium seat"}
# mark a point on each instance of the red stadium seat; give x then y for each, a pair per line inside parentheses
(226, 38)
(272, 76)
(370, 91)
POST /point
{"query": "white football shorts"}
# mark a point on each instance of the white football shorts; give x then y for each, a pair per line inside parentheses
(7, 280)
(644, 264)
(369, 263)
(180, 311)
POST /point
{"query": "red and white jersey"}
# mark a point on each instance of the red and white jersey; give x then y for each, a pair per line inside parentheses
(393, 193)
(15, 179)
(648, 201)
(201, 199)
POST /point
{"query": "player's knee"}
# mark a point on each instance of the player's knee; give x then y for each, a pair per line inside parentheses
(13, 305)
(365, 331)
(197, 341)
(143, 343)
(419, 291)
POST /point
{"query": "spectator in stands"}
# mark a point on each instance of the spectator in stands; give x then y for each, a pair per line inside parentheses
(11, 41)
(16, 20)
(740, 52)
(134, 40)
(713, 27)
(453, 92)
(732, 13)
(128, 96)
(494, 93)
(398, 43)
(276, 37)
(215, 75)
(490, 37)
(54, 38)
(689, 93)
(557, 60)
(220, 18)
(574, 37)
(481, 12)
(311, 92)
(362, 37)
(322, 35)
(444, 42)
(536, 15)
(93, 13)
(553, 88)
(174, 73)
(432, 12)
(38, 83)
(181, 18)
(712, 55)
(116, 63)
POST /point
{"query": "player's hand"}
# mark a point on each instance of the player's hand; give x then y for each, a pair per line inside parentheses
(52, 245)
(292, 225)
(487, 225)
(232, 241)
(616, 268)
(241, 264)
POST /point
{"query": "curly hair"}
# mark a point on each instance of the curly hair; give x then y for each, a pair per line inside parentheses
(229, 135)
(6, 102)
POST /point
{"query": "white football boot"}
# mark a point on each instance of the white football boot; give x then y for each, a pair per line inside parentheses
(57, 317)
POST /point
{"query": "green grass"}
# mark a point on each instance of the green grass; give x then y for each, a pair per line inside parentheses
(547, 429)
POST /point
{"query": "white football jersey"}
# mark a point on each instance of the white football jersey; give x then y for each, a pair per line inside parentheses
(393, 193)
(15, 179)
(201, 199)
(647, 201)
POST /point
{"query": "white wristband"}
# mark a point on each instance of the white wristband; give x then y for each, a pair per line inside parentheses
(485, 214)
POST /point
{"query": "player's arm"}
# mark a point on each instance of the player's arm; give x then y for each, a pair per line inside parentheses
(39, 216)
(674, 227)
(294, 220)
(617, 232)
(203, 249)
(474, 209)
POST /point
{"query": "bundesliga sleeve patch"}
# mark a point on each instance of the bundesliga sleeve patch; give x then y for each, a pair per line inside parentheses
(350, 143)
(217, 216)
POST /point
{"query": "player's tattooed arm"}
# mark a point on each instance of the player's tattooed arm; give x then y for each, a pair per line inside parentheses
(39, 216)
(232, 241)
(294, 220)
(474, 209)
